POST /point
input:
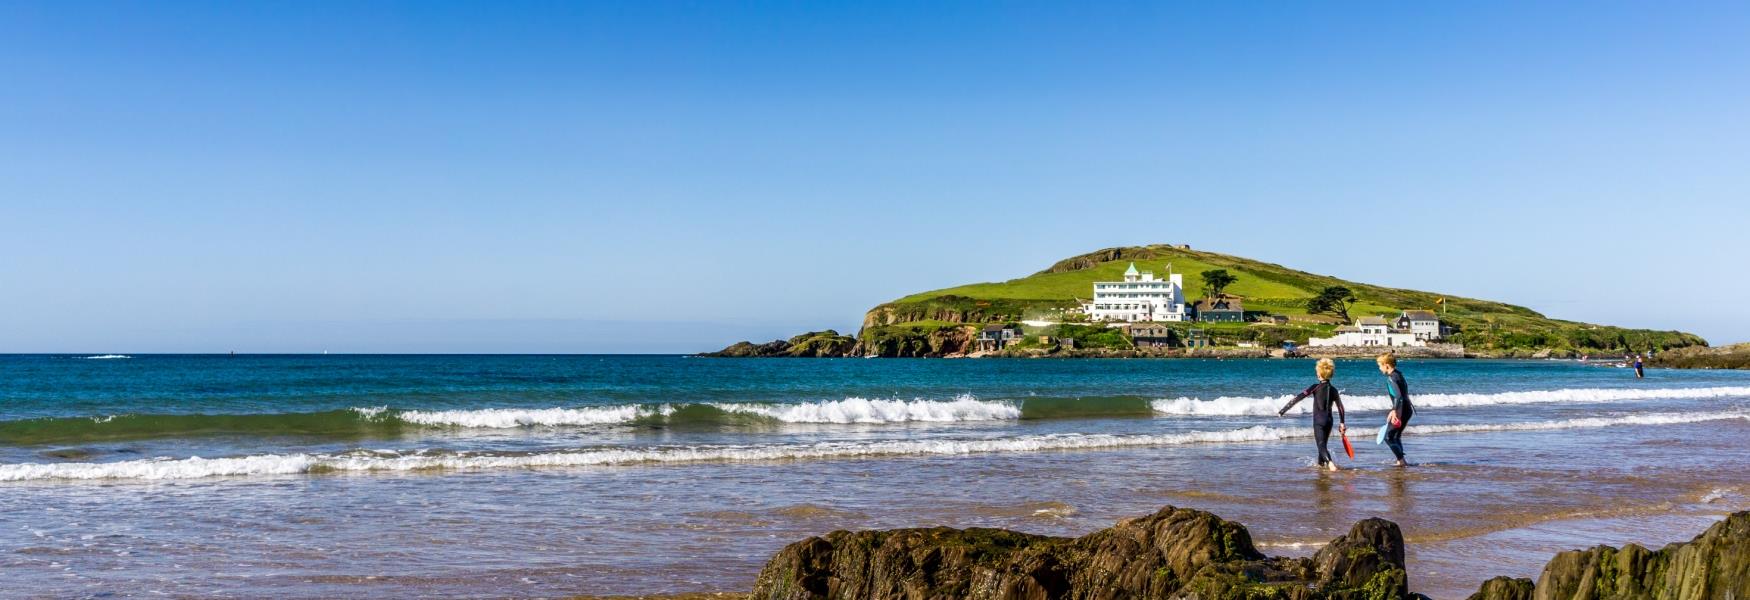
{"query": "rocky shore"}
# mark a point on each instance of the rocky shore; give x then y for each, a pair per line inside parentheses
(1174, 553)
(1714, 565)
(1184, 553)
(1736, 356)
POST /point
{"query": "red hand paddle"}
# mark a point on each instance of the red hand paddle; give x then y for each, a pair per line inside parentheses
(1350, 450)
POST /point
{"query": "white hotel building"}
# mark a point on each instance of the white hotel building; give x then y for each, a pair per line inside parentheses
(1140, 298)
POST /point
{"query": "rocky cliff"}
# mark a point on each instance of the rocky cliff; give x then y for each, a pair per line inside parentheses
(1735, 356)
(1713, 566)
(911, 340)
(814, 344)
(1174, 553)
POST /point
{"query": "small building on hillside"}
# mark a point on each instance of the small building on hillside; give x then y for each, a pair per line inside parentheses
(997, 337)
(1197, 338)
(1423, 323)
(1151, 335)
(1140, 298)
(1368, 332)
(1220, 309)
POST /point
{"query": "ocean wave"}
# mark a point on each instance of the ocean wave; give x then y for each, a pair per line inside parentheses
(507, 418)
(1266, 406)
(382, 421)
(853, 410)
(106, 357)
(862, 410)
(360, 461)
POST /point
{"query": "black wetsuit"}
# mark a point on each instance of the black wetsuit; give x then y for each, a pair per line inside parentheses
(1324, 395)
(1400, 403)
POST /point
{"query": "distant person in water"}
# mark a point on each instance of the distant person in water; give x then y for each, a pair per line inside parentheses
(1324, 395)
(1401, 410)
(1639, 372)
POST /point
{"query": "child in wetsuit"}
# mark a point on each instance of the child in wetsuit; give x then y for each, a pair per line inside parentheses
(1401, 410)
(1324, 395)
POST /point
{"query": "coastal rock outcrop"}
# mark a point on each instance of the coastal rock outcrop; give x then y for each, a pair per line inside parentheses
(917, 341)
(1713, 566)
(814, 344)
(1735, 356)
(1174, 553)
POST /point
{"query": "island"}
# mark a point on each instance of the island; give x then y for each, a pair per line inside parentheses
(1169, 300)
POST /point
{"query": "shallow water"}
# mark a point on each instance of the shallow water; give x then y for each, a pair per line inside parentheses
(468, 476)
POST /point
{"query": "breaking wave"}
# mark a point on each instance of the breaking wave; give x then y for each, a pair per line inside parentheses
(1240, 406)
(363, 422)
(106, 356)
(379, 422)
(363, 461)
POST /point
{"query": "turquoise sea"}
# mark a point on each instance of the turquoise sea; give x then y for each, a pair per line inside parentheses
(552, 476)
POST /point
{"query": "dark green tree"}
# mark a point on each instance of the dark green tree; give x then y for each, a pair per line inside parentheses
(1216, 280)
(1334, 300)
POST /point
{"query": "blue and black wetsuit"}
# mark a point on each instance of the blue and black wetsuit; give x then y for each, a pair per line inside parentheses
(1324, 395)
(1400, 404)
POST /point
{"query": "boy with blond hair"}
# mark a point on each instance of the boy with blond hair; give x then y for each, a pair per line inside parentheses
(1324, 395)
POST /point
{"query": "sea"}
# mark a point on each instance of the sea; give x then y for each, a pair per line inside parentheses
(218, 476)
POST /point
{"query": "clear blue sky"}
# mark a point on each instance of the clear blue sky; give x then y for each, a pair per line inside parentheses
(671, 177)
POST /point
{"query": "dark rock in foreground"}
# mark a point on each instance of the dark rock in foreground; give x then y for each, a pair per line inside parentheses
(1174, 553)
(1713, 566)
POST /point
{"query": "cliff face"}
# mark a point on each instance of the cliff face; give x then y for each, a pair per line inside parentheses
(918, 341)
(1713, 566)
(911, 340)
(956, 309)
(1174, 553)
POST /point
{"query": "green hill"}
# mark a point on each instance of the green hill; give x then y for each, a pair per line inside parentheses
(1482, 326)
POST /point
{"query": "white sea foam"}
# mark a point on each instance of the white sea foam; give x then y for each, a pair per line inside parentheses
(861, 410)
(1588, 422)
(107, 356)
(848, 410)
(505, 418)
(275, 464)
(1242, 406)
(1717, 494)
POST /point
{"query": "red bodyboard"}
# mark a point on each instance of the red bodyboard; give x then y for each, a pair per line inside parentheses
(1348, 449)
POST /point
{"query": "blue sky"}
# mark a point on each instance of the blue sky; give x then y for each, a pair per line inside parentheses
(671, 177)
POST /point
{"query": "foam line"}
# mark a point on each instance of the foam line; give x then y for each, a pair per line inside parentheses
(1256, 406)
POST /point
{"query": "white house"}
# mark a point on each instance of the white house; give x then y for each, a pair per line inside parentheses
(1139, 298)
(1370, 331)
(1423, 323)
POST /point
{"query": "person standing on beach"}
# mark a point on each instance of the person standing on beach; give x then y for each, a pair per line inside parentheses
(1324, 395)
(1401, 410)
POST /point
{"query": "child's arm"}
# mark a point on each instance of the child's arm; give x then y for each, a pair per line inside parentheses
(1297, 398)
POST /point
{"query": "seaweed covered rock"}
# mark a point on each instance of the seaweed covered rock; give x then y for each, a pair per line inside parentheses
(1174, 553)
(1713, 566)
(1506, 588)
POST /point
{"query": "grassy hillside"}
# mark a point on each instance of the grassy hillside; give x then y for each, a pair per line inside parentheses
(1483, 326)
